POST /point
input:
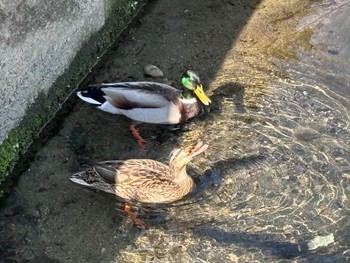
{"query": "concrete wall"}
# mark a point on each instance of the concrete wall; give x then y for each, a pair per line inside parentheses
(47, 46)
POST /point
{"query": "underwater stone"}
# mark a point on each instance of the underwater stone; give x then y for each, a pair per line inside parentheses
(306, 134)
(320, 241)
(153, 71)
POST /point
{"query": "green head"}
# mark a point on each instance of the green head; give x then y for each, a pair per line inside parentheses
(191, 82)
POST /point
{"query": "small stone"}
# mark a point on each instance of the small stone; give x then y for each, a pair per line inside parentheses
(153, 71)
(320, 241)
(306, 134)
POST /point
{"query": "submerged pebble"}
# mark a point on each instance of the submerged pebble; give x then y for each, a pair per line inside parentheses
(320, 241)
(153, 71)
(306, 134)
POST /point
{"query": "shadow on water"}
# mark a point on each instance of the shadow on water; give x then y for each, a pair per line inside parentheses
(284, 250)
(230, 90)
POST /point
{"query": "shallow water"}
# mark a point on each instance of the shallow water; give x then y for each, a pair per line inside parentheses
(275, 177)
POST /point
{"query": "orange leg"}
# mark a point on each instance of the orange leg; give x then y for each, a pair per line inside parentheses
(138, 222)
(140, 141)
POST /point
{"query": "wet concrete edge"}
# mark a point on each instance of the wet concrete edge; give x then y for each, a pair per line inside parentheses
(41, 119)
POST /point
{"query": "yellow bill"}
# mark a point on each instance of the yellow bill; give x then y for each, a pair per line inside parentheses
(201, 95)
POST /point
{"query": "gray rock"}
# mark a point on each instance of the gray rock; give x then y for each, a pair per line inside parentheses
(320, 241)
(153, 71)
(306, 134)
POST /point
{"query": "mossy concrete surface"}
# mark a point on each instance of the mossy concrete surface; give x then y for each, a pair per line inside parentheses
(45, 51)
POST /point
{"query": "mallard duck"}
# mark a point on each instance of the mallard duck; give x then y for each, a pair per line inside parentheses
(149, 102)
(143, 180)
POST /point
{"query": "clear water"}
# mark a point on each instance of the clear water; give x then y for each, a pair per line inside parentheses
(276, 175)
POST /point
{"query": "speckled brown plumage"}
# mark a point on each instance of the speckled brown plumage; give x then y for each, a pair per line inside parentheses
(143, 180)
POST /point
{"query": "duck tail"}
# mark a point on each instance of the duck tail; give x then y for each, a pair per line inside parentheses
(92, 95)
(78, 179)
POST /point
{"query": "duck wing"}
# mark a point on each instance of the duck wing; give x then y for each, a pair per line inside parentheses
(130, 95)
(132, 171)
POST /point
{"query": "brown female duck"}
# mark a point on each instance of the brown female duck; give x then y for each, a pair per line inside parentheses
(143, 180)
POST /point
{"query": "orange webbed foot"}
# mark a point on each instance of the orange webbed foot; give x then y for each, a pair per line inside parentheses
(140, 141)
(137, 221)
